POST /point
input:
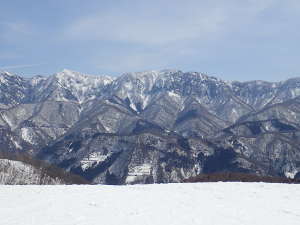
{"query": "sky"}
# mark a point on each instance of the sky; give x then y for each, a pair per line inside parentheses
(231, 39)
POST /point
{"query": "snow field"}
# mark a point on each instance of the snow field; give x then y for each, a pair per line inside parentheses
(172, 204)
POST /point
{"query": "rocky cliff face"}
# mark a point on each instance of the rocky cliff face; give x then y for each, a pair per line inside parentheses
(155, 126)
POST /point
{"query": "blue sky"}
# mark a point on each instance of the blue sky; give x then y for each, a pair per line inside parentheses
(230, 39)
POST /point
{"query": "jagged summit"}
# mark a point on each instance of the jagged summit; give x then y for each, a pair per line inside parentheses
(68, 71)
(3, 72)
(4, 75)
(74, 75)
(153, 73)
(165, 72)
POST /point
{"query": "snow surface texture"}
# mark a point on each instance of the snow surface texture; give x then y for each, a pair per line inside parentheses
(202, 203)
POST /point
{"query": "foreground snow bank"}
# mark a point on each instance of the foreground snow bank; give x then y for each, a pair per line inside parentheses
(199, 203)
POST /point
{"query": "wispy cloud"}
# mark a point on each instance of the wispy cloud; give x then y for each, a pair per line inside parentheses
(11, 67)
(147, 25)
(169, 23)
(231, 37)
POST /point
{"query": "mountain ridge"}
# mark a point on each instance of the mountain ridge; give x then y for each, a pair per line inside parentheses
(152, 126)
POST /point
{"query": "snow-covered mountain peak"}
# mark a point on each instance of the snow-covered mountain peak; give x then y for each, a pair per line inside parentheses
(2, 72)
(137, 81)
(6, 73)
(150, 74)
(68, 75)
(36, 80)
(169, 71)
(153, 74)
(203, 77)
(68, 71)
(13, 88)
(81, 86)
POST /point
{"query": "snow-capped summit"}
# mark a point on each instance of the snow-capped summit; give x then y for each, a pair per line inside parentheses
(137, 88)
(5, 73)
(36, 80)
(82, 86)
(13, 88)
(67, 75)
(72, 86)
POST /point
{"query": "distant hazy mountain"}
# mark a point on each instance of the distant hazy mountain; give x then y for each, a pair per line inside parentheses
(154, 126)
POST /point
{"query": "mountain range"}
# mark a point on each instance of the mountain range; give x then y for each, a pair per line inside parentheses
(153, 126)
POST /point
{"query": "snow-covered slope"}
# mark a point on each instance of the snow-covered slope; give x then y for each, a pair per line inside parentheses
(13, 89)
(202, 203)
(17, 172)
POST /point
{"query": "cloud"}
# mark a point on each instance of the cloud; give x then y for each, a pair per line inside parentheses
(147, 25)
(172, 31)
(11, 67)
(119, 36)
(168, 22)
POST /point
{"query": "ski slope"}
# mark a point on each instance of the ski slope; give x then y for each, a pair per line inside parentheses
(161, 204)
